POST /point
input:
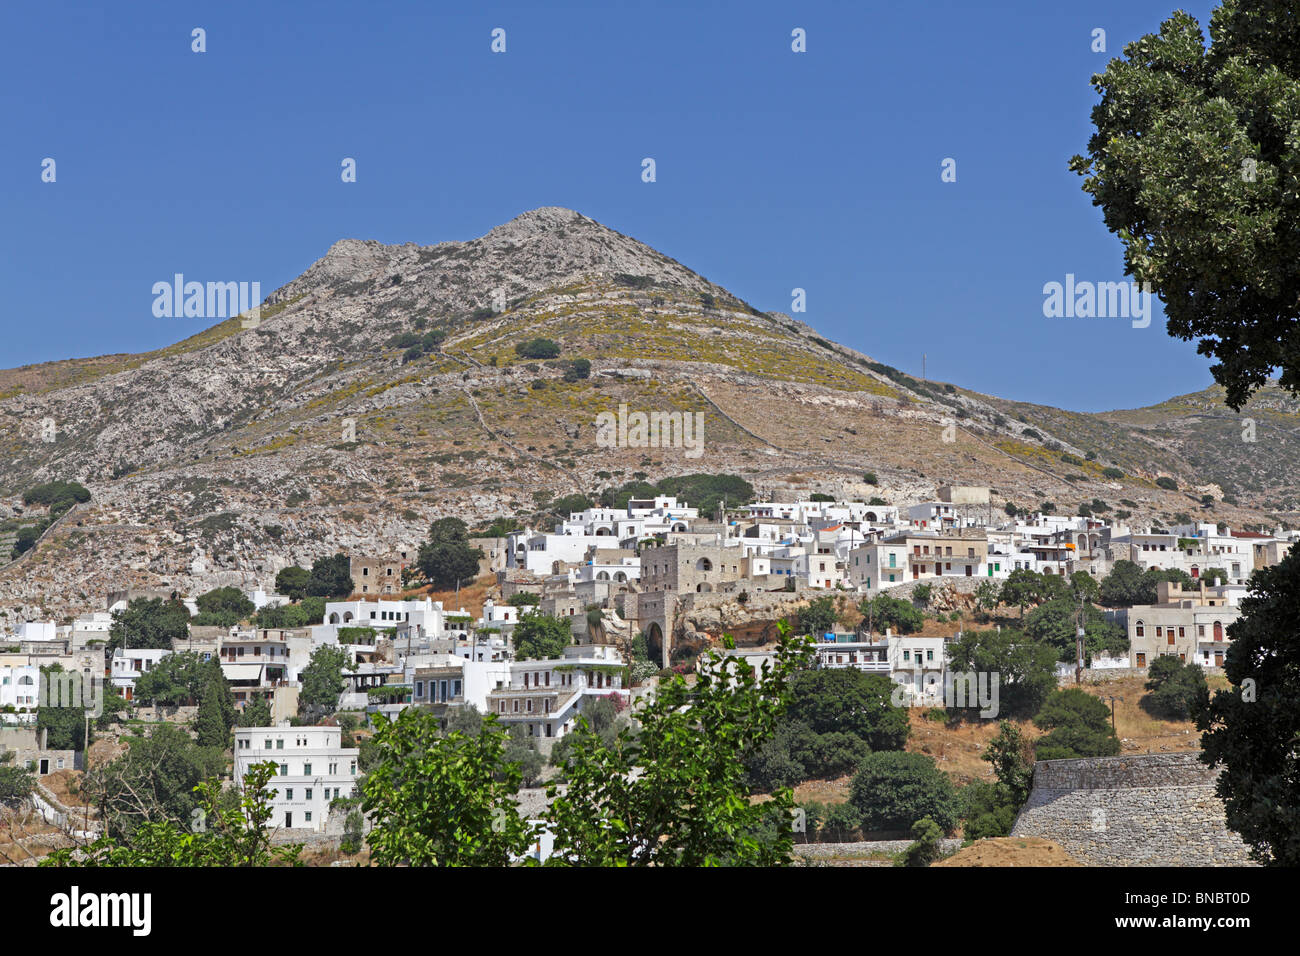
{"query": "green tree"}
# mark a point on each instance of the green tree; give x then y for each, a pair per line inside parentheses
(987, 810)
(846, 700)
(883, 611)
(176, 679)
(448, 558)
(988, 595)
(541, 637)
(1026, 668)
(1021, 588)
(1012, 757)
(465, 720)
(842, 822)
(521, 750)
(257, 713)
(153, 781)
(218, 834)
(113, 705)
(322, 681)
(675, 793)
(1084, 586)
(894, 789)
(442, 800)
(1252, 729)
(818, 617)
(1056, 623)
(293, 582)
(331, 577)
(353, 834)
(149, 623)
(926, 847)
(538, 348)
(16, 785)
(64, 727)
(217, 712)
(1079, 725)
(1126, 585)
(223, 607)
(1178, 689)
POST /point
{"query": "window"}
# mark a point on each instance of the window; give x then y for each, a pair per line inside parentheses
(306, 770)
(1140, 629)
(279, 744)
(308, 815)
(308, 796)
(929, 655)
(288, 794)
(354, 768)
(284, 770)
(268, 745)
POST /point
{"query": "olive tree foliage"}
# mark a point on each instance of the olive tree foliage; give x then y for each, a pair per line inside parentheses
(1194, 163)
(216, 834)
(442, 799)
(675, 793)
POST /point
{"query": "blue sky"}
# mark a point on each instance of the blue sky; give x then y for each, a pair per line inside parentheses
(775, 170)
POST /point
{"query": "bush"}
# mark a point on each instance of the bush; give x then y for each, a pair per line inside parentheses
(1164, 481)
(578, 369)
(1112, 473)
(841, 822)
(538, 349)
(1178, 689)
(892, 790)
(988, 810)
(870, 478)
(1079, 724)
(926, 849)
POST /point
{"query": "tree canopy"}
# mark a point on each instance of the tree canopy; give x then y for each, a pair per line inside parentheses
(540, 636)
(1252, 728)
(149, 623)
(1193, 163)
(447, 558)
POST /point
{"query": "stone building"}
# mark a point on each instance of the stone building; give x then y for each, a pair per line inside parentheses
(1191, 624)
(377, 575)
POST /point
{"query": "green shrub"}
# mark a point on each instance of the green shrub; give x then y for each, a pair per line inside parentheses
(538, 348)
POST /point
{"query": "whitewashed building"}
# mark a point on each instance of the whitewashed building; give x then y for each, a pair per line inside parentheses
(312, 768)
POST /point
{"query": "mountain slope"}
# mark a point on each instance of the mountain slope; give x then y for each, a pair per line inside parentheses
(226, 456)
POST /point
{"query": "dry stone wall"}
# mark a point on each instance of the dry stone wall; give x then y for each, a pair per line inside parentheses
(1140, 810)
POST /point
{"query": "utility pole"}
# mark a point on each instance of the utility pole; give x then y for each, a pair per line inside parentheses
(1078, 643)
(923, 367)
(1112, 712)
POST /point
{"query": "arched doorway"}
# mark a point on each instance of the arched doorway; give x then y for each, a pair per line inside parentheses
(654, 642)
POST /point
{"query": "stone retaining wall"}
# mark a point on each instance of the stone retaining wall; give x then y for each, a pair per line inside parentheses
(862, 848)
(1141, 810)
